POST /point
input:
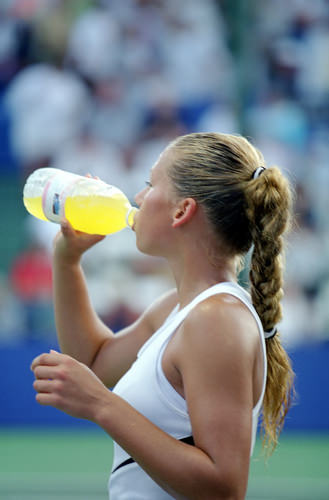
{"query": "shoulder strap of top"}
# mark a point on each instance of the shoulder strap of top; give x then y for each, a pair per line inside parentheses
(224, 287)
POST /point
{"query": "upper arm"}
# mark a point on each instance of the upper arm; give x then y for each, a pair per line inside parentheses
(216, 364)
(119, 351)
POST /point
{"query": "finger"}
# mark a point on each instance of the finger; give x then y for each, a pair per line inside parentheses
(44, 372)
(43, 385)
(66, 228)
(90, 176)
(50, 359)
(46, 399)
(98, 237)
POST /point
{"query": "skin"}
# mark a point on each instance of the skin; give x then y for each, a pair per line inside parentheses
(213, 360)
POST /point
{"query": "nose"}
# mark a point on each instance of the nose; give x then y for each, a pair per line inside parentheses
(140, 196)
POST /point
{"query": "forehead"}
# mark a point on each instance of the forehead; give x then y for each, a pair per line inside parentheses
(162, 165)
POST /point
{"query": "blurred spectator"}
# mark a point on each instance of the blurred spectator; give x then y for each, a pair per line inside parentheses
(14, 45)
(86, 154)
(305, 265)
(93, 47)
(116, 116)
(12, 320)
(300, 322)
(316, 178)
(280, 119)
(115, 271)
(48, 108)
(102, 86)
(321, 311)
(31, 282)
(221, 117)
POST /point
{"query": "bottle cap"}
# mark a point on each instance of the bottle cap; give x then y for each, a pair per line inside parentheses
(130, 217)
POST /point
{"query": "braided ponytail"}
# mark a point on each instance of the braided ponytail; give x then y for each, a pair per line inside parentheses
(268, 211)
(217, 171)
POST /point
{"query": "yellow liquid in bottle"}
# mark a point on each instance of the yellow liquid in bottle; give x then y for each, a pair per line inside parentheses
(97, 215)
(34, 206)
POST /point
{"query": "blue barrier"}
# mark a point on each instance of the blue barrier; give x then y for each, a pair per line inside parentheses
(19, 408)
(311, 408)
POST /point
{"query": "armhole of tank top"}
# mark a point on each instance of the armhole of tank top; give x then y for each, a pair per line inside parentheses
(167, 392)
(158, 331)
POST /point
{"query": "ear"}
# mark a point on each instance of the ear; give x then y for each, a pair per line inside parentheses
(184, 212)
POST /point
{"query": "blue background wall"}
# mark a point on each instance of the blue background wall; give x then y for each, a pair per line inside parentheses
(19, 408)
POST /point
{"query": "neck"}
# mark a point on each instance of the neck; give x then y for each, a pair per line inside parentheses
(194, 271)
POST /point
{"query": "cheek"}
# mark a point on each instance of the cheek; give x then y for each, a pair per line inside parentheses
(152, 230)
(154, 205)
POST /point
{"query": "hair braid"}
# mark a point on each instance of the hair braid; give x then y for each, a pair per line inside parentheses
(269, 208)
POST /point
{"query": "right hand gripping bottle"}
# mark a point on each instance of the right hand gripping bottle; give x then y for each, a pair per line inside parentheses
(90, 205)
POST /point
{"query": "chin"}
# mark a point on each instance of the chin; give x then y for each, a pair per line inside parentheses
(141, 246)
(148, 249)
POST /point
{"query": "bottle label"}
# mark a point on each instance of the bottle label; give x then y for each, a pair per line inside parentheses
(55, 193)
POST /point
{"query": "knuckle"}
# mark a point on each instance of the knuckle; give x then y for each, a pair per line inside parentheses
(43, 358)
(58, 386)
(69, 362)
(66, 360)
(62, 373)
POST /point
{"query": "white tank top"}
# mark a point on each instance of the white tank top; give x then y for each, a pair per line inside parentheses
(147, 389)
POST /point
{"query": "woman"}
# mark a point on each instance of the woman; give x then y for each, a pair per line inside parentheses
(189, 376)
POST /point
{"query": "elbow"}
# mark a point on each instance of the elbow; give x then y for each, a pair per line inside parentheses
(229, 489)
(224, 493)
(220, 488)
(229, 481)
(213, 490)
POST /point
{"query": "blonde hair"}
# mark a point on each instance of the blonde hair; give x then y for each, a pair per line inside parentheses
(217, 171)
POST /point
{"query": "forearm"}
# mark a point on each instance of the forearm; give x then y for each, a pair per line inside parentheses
(183, 470)
(80, 331)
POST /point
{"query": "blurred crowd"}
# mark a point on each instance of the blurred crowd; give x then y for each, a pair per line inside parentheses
(103, 86)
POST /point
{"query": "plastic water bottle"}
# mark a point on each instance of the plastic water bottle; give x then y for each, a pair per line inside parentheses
(90, 205)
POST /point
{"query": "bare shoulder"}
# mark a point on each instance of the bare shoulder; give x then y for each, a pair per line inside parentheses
(221, 320)
(160, 309)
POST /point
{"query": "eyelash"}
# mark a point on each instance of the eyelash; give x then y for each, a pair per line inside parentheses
(148, 183)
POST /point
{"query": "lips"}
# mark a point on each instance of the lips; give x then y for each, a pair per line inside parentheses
(134, 223)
